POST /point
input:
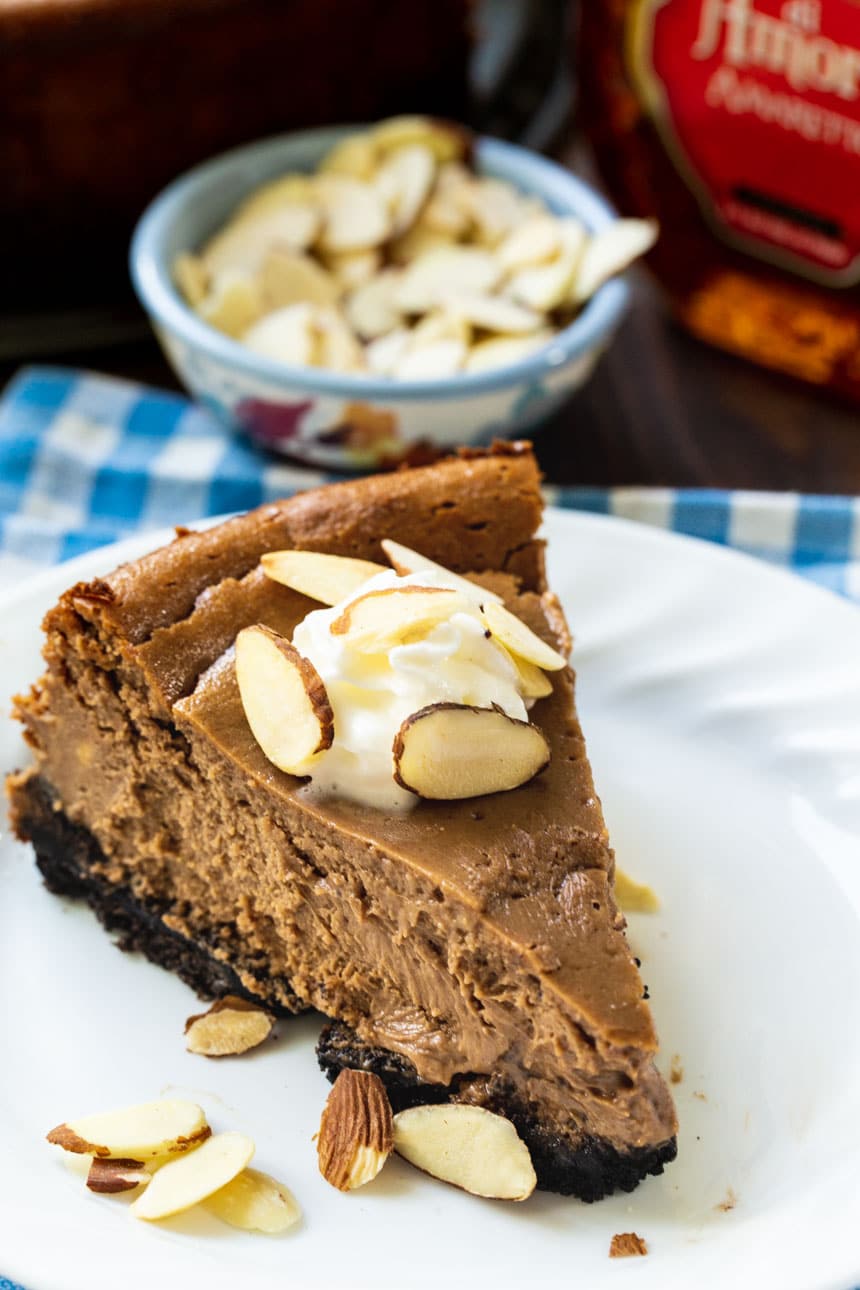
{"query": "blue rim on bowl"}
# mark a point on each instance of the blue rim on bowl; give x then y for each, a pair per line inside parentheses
(234, 174)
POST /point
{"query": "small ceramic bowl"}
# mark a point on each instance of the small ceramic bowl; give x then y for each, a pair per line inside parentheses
(330, 419)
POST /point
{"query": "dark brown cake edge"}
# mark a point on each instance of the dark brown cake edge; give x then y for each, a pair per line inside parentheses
(66, 854)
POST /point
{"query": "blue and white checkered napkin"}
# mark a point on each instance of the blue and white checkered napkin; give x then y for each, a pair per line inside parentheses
(85, 460)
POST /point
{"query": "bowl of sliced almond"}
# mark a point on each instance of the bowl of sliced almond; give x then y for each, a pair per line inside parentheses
(357, 297)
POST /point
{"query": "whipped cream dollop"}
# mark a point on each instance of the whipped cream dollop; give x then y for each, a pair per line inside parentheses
(372, 693)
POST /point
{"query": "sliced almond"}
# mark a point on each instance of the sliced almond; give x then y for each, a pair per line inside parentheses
(434, 275)
(355, 215)
(355, 1137)
(444, 214)
(405, 179)
(396, 615)
(355, 156)
(288, 190)
(288, 335)
(493, 313)
(449, 751)
(183, 1183)
(352, 268)
(231, 1026)
(446, 142)
(433, 361)
(535, 241)
(244, 241)
(467, 1146)
(501, 351)
(138, 1132)
(290, 278)
(440, 324)
(611, 251)
(546, 286)
(192, 278)
(405, 561)
(109, 1177)
(634, 897)
(326, 578)
(338, 348)
(383, 354)
(255, 1202)
(513, 633)
(233, 305)
(418, 241)
(532, 681)
(284, 699)
(372, 309)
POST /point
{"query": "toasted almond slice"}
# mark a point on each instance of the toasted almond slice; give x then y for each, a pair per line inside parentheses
(230, 1027)
(233, 305)
(138, 1132)
(493, 313)
(355, 156)
(405, 179)
(533, 682)
(418, 241)
(513, 633)
(288, 335)
(326, 578)
(255, 1202)
(440, 324)
(371, 308)
(352, 268)
(338, 348)
(383, 354)
(191, 277)
(546, 286)
(433, 361)
(355, 1137)
(284, 699)
(288, 190)
(405, 561)
(355, 216)
(446, 141)
(468, 1146)
(290, 278)
(185, 1182)
(396, 615)
(535, 241)
(449, 751)
(108, 1177)
(444, 214)
(500, 351)
(242, 244)
(634, 897)
(430, 278)
(611, 251)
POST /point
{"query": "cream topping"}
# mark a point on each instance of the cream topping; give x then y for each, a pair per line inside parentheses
(372, 693)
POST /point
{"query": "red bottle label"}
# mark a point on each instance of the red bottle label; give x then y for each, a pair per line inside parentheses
(758, 104)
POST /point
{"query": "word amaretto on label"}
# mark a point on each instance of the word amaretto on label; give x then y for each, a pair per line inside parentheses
(758, 104)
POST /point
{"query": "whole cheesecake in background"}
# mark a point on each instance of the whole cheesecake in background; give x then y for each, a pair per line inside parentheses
(468, 950)
(103, 102)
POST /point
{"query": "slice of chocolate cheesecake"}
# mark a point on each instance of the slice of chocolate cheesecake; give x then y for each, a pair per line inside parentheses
(465, 949)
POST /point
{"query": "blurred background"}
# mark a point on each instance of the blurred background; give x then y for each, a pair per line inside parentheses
(102, 102)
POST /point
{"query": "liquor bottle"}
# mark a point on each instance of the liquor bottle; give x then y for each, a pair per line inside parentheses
(737, 123)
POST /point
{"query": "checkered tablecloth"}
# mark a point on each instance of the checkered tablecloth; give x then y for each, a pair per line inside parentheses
(86, 460)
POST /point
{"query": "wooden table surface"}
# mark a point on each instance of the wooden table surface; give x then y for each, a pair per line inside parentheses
(661, 409)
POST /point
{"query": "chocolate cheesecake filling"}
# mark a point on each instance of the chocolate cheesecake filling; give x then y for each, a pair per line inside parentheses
(478, 941)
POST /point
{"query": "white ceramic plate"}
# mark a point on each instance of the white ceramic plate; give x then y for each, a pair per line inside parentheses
(721, 700)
